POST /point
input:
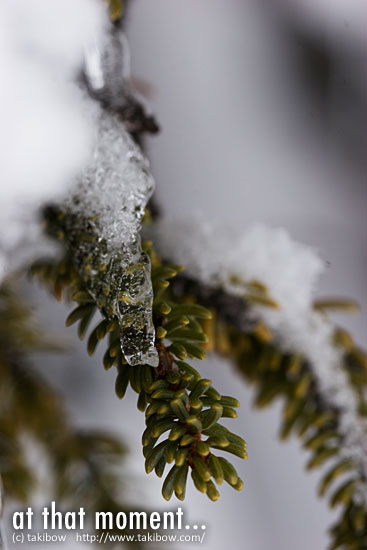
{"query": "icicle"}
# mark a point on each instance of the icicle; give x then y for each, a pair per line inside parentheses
(107, 68)
(104, 220)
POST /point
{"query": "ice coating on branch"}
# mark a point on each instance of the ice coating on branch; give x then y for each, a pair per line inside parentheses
(107, 66)
(117, 183)
(108, 79)
(105, 213)
(290, 270)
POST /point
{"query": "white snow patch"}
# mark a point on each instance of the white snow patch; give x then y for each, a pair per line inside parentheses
(46, 135)
(290, 270)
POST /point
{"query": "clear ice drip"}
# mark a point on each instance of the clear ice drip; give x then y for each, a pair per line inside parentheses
(107, 67)
(105, 211)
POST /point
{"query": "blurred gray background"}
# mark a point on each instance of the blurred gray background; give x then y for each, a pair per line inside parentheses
(261, 107)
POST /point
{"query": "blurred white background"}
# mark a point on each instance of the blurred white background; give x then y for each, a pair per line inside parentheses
(261, 107)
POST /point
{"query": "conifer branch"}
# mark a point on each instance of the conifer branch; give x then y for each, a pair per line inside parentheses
(239, 336)
(82, 463)
(173, 396)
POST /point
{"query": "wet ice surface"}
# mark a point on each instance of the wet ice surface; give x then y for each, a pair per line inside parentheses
(290, 271)
(107, 207)
(117, 184)
(107, 67)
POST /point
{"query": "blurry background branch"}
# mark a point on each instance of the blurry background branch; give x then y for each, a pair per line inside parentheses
(85, 466)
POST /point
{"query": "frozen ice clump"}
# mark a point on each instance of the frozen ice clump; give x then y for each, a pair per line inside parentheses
(105, 213)
(116, 185)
